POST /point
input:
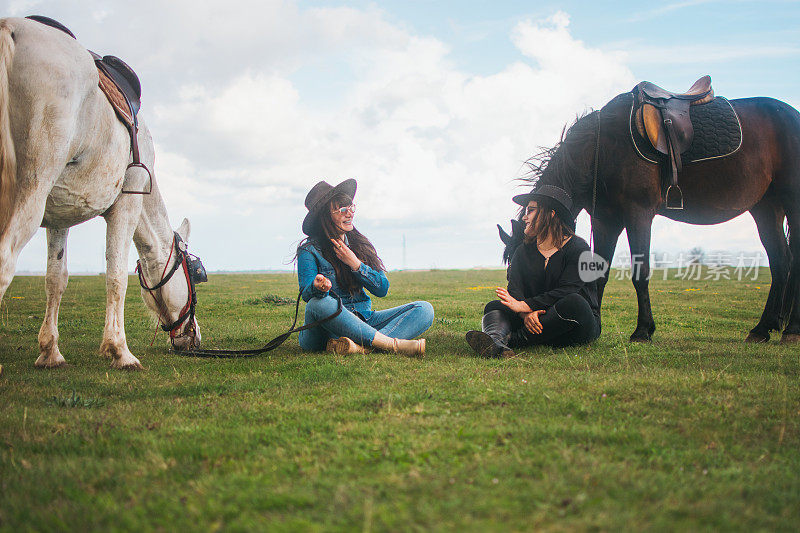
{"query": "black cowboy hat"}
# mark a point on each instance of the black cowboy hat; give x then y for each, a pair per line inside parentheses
(559, 199)
(319, 196)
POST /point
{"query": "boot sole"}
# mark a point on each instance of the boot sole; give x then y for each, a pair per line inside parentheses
(483, 344)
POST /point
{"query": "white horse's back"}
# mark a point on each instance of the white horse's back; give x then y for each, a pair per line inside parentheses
(63, 128)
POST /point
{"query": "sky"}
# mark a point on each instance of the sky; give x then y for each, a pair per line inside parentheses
(432, 106)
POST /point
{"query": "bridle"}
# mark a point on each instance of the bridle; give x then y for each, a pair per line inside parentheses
(194, 272)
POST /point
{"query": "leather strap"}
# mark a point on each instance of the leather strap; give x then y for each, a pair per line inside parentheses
(274, 343)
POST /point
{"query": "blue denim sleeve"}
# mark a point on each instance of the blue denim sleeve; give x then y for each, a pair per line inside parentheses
(375, 281)
(307, 270)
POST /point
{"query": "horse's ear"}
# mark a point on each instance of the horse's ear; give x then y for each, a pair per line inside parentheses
(505, 237)
(184, 230)
(517, 228)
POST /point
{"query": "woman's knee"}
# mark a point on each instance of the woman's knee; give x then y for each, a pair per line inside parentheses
(321, 307)
(573, 307)
(424, 312)
(494, 305)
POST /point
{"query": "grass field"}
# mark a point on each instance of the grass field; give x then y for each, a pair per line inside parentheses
(694, 431)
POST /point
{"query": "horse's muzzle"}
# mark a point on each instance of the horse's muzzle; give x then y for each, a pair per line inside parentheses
(188, 340)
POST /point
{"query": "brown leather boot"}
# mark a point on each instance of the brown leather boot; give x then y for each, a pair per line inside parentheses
(344, 346)
(412, 348)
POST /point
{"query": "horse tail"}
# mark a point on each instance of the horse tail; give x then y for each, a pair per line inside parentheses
(8, 160)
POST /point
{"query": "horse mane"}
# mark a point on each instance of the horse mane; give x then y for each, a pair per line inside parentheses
(565, 164)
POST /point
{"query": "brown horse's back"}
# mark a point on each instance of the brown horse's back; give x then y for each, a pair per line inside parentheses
(767, 162)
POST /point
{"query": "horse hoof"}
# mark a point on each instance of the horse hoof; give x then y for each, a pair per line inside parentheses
(63, 364)
(50, 362)
(790, 338)
(127, 364)
(640, 337)
(756, 338)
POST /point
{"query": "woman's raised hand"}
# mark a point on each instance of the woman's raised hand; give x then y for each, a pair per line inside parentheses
(322, 284)
(345, 254)
(512, 303)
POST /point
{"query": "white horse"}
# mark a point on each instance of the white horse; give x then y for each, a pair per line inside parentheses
(63, 160)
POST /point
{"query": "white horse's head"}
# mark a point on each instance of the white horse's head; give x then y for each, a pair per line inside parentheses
(168, 289)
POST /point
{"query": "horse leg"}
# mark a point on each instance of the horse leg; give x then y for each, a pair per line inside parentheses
(638, 224)
(605, 233)
(23, 221)
(769, 216)
(55, 283)
(790, 299)
(121, 221)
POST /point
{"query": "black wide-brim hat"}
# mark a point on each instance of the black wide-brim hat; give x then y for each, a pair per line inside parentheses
(559, 199)
(319, 196)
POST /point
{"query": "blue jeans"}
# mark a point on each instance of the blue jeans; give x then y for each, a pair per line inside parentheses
(403, 322)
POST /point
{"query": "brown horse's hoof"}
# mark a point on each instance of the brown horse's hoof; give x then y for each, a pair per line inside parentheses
(756, 338)
(790, 338)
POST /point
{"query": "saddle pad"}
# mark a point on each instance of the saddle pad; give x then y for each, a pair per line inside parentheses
(717, 133)
(116, 98)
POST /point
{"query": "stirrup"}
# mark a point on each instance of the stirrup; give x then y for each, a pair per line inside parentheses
(680, 198)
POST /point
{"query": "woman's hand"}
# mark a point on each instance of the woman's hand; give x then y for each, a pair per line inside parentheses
(345, 254)
(532, 323)
(512, 303)
(322, 284)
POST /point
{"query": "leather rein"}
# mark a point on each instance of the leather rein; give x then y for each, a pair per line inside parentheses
(195, 273)
(274, 343)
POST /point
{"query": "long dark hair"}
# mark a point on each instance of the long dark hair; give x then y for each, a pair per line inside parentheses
(324, 230)
(547, 225)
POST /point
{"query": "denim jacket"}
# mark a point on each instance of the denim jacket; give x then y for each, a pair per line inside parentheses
(310, 263)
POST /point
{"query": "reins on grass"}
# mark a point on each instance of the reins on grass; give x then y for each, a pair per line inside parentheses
(274, 343)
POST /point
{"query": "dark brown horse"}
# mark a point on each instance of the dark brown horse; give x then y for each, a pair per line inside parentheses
(762, 177)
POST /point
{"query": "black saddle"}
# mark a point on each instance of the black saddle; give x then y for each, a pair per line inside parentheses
(664, 117)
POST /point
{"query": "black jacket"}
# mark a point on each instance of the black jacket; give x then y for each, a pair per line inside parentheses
(541, 287)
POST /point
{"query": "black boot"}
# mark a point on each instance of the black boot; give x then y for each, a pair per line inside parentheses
(491, 342)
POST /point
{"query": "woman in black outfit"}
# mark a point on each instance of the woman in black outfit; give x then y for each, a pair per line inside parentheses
(547, 302)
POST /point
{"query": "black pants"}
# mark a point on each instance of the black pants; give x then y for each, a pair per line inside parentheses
(568, 322)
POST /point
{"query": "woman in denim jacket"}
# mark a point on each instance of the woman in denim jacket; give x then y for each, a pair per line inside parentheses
(336, 259)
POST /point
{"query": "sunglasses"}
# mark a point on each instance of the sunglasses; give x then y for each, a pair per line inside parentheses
(343, 210)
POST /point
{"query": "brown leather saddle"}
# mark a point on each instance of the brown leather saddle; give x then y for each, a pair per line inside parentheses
(121, 86)
(663, 117)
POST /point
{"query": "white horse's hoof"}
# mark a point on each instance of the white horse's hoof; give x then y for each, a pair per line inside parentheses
(50, 362)
(127, 363)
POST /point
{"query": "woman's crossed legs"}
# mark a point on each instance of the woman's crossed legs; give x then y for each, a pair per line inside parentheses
(402, 322)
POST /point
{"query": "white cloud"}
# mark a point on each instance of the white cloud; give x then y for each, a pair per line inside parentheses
(248, 114)
(424, 138)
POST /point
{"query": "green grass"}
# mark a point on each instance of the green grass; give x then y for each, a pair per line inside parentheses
(694, 431)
